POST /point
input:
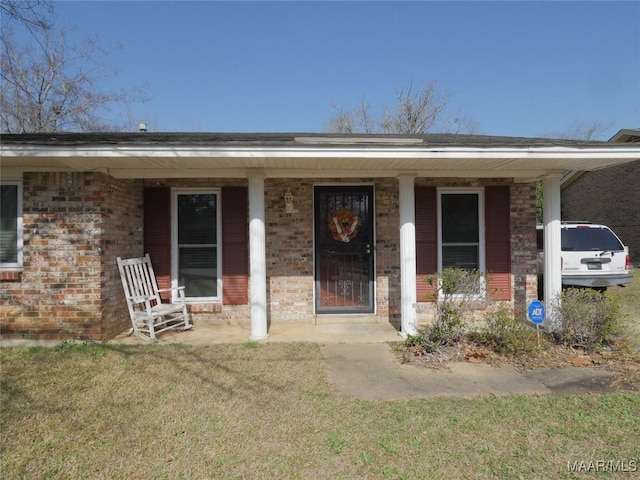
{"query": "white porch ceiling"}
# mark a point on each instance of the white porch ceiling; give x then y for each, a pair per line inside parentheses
(316, 158)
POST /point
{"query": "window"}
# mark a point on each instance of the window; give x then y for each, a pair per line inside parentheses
(461, 230)
(11, 225)
(196, 244)
(589, 239)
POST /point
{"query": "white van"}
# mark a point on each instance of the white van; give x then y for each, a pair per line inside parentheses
(592, 256)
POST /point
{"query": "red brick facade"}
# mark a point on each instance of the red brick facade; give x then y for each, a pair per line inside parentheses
(76, 224)
(609, 196)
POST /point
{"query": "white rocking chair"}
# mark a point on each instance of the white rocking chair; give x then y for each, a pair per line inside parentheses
(149, 316)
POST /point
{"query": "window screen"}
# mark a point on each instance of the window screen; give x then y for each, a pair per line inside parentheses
(460, 230)
(198, 244)
(9, 224)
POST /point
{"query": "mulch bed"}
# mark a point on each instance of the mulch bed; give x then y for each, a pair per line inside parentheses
(622, 359)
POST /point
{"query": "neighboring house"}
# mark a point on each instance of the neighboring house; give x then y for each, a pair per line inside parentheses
(273, 228)
(610, 196)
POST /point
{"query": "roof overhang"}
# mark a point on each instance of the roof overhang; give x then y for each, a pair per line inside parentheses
(312, 156)
(626, 135)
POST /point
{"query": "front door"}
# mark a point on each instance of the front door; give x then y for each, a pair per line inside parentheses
(344, 270)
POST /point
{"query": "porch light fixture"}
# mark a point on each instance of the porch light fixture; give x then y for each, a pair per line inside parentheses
(288, 203)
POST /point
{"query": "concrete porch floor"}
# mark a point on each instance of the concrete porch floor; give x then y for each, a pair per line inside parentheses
(210, 334)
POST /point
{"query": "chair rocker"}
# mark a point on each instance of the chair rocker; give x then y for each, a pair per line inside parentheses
(149, 316)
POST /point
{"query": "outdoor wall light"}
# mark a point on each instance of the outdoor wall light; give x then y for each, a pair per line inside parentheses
(288, 203)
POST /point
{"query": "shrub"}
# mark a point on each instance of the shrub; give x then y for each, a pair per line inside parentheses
(420, 344)
(504, 333)
(458, 290)
(457, 295)
(587, 318)
(448, 325)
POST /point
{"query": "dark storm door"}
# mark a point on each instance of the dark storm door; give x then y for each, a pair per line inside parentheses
(344, 270)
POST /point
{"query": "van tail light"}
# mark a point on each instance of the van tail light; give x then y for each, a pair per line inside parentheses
(627, 263)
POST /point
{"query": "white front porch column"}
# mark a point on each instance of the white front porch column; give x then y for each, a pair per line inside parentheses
(407, 255)
(257, 258)
(552, 248)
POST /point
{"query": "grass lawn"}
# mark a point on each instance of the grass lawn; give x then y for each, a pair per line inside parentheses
(629, 296)
(267, 412)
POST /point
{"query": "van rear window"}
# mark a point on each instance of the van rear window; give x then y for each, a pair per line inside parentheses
(589, 239)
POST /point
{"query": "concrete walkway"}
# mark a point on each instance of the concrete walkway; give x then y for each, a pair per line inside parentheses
(372, 372)
(360, 364)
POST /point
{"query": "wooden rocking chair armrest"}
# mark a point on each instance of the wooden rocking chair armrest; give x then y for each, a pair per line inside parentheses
(179, 290)
(170, 289)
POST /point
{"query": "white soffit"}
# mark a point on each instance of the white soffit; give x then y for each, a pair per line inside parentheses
(314, 158)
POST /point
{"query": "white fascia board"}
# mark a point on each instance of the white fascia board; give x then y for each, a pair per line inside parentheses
(361, 151)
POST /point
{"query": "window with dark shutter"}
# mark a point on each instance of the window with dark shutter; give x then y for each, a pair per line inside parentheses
(202, 241)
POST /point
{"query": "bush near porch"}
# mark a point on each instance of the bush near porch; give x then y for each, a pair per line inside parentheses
(595, 328)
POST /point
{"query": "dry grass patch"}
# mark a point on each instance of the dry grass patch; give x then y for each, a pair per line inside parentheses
(629, 297)
(267, 411)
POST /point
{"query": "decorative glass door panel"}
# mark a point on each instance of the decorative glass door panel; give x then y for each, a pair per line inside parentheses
(344, 273)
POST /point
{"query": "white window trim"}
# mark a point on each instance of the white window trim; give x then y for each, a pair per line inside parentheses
(175, 192)
(16, 266)
(481, 233)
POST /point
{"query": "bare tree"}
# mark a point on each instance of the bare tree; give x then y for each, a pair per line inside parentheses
(49, 85)
(581, 131)
(30, 13)
(358, 120)
(414, 112)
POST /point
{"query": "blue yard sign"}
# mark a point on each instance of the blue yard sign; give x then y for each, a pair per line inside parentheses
(536, 312)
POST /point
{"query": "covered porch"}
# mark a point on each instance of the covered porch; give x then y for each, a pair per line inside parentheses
(260, 162)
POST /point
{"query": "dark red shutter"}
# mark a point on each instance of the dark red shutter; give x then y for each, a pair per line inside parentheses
(498, 242)
(426, 243)
(157, 234)
(235, 246)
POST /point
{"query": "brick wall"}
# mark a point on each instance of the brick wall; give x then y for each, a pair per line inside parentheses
(76, 224)
(121, 235)
(523, 239)
(289, 247)
(387, 234)
(523, 245)
(609, 196)
(73, 223)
